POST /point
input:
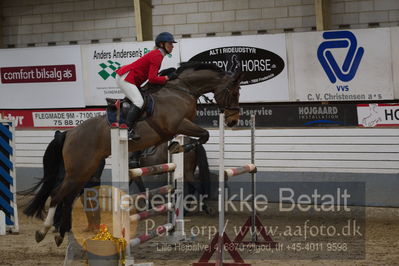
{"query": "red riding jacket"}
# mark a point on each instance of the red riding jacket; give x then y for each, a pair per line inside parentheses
(146, 67)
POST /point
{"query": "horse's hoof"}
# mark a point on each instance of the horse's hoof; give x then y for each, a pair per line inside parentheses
(58, 240)
(39, 236)
(175, 148)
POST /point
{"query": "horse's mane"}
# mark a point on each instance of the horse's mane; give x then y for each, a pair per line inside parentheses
(198, 66)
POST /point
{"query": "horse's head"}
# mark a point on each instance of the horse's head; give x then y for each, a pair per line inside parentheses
(227, 97)
(202, 78)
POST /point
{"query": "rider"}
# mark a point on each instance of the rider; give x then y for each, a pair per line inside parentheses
(130, 77)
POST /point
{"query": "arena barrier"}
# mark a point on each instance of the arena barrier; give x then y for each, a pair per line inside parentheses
(120, 183)
(8, 200)
(221, 239)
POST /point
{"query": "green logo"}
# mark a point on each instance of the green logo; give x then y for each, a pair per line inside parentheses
(108, 69)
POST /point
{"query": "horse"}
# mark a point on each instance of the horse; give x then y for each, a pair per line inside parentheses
(83, 147)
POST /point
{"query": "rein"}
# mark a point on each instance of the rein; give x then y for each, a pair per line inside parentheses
(186, 91)
(225, 94)
(188, 85)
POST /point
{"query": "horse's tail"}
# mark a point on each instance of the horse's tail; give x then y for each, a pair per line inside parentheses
(52, 162)
(203, 168)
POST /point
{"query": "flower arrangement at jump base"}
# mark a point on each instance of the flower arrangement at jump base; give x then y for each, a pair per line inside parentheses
(111, 243)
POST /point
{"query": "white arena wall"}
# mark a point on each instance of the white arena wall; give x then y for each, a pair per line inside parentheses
(64, 22)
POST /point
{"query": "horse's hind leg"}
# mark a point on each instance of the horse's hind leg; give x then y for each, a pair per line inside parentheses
(66, 218)
(67, 194)
(65, 189)
(40, 234)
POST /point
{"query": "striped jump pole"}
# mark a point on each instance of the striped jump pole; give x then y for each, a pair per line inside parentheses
(8, 199)
(162, 229)
(151, 213)
(152, 170)
(156, 191)
(248, 168)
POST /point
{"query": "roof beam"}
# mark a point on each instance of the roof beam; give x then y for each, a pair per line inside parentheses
(321, 11)
(143, 19)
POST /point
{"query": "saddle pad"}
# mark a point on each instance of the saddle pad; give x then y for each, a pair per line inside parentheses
(149, 104)
(112, 116)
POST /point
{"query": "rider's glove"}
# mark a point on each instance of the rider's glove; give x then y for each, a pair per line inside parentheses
(172, 76)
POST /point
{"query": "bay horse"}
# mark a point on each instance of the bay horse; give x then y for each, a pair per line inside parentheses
(82, 148)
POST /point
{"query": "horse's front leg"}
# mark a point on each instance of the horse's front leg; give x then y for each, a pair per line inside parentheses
(190, 129)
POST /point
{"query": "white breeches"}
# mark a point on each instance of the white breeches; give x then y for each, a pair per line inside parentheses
(130, 90)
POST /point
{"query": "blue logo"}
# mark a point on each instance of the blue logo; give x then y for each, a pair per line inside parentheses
(340, 39)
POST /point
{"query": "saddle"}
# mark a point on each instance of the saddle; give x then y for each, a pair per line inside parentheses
(117, 109)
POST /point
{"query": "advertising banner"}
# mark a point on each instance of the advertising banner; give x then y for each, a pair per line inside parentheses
(51, 119)
(262, 59)
(284, 115)
(342, 65)
(378, 115)
(100, 62)
(42, 77)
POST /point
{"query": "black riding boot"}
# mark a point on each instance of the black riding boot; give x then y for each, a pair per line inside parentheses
(132, 116)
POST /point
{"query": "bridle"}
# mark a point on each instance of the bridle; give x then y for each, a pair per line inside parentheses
(223, 94)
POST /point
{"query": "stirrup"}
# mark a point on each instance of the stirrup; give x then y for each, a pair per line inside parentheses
(131, 135)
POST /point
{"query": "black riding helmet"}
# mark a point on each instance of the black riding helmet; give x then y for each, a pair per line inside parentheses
(164, 37)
